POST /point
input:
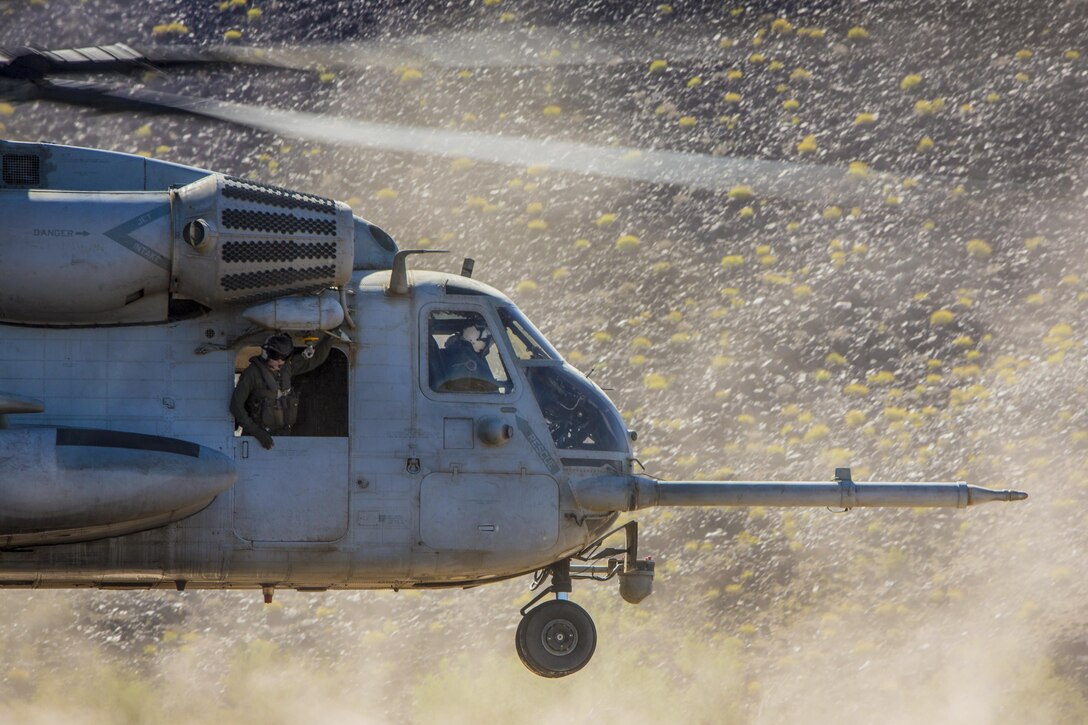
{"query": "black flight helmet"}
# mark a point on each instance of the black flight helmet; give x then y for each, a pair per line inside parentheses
(278, 347)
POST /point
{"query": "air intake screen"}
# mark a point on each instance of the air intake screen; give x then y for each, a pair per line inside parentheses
(22, 170)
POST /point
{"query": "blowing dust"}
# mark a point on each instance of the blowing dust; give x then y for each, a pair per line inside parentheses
(744, 335)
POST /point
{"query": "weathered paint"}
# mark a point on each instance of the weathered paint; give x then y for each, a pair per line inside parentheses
(312, 512)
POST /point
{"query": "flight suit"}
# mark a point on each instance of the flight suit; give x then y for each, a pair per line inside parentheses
(264, 402)
(466, 370)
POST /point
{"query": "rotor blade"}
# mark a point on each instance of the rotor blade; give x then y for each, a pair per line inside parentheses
(778, 179)
(34, 64)
(177, 55)
(524, 47)
(113, 98)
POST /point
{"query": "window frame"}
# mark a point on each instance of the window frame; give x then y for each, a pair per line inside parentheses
(501, 345)
(551, 355)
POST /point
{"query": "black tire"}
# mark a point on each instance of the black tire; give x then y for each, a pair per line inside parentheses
(556, 639)
(518, 636)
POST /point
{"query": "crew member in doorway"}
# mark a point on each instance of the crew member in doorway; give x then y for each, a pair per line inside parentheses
(264, 403)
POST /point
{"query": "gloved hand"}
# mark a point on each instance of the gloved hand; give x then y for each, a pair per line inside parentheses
(265, 439)
(309, 351)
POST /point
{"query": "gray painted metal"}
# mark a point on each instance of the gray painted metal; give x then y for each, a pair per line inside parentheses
(313, 512)
(299, 312)
(52, 483)
(629, 493)
(312, 508)
(71, 168)
(259, 244)
(374, 248)
(115, 233)
(108, 251)
(495, 513)
(413, 495)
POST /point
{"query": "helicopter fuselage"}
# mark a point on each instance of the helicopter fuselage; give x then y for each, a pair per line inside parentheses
(399, 485)
(444, 442)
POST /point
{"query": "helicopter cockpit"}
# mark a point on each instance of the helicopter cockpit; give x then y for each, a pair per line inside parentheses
(463, 356)
(578, 414)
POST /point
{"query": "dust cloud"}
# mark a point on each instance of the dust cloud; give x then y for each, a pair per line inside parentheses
(745, 334)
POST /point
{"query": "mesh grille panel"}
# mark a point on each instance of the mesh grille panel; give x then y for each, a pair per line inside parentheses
(22, 170)
(276, 277)
(243, 190)
(277, 251)
(266, 221)
(259, 296)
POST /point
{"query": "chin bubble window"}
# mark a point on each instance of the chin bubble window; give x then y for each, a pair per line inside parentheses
(462, 355)
(578, 414)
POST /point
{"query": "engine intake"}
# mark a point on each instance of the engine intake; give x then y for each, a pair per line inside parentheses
(242, 242)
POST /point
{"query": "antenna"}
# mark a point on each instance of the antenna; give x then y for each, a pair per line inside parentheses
(398, 278)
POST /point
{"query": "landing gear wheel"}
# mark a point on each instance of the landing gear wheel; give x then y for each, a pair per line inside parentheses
(556, 639)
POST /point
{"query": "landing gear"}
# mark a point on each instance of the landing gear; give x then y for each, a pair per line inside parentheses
(556, 638)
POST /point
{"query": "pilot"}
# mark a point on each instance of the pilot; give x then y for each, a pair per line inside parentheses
(264, 403)
(465, 360)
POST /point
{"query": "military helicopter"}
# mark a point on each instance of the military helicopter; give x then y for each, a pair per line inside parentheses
(133, 291)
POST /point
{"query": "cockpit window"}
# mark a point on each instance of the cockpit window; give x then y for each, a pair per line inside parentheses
(462, 355)
(578, 415)
(526, 340)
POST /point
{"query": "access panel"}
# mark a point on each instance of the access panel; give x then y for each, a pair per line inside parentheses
(298, 491)
(489, 512)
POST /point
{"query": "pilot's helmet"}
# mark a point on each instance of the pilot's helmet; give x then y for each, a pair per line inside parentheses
(479, 337)
(278, 347)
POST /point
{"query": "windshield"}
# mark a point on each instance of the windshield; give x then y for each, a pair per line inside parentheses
(578, 414)
(526, 340)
